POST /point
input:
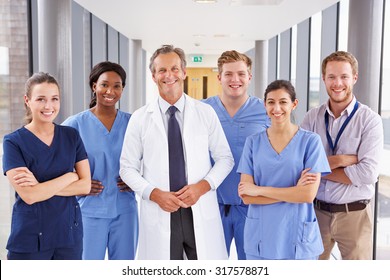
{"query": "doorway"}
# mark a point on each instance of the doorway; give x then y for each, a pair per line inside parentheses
(202, 83)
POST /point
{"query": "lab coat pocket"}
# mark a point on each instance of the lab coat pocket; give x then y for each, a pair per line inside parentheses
(252, 236)
(310, 243)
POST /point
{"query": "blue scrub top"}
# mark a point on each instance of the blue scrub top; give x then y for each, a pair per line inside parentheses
(282, 230)
(104, 149)
(55, 222)
(251, 118)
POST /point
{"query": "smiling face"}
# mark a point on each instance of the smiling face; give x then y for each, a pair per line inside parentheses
(169, 75)
(108, 89)
(44, 102)
(234, 79)
(279, 106)
(339, 81)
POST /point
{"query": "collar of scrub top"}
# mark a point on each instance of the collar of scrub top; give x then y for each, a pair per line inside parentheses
(350, 115)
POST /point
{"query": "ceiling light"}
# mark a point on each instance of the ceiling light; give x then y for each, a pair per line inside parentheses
(206, 1)
(255, 2)
(221, 35)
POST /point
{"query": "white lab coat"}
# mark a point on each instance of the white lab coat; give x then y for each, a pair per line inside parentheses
(144, 166)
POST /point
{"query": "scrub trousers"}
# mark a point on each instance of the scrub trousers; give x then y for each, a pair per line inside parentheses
(71, 253)
(119, 236)
(233, 221)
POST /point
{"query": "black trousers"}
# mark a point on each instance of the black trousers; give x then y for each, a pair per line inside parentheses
(182, 235)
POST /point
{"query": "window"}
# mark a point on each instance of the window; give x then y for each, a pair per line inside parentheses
(315, 60)
(383, 214)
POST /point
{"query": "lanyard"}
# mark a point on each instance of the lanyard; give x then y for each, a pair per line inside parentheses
(330, 142)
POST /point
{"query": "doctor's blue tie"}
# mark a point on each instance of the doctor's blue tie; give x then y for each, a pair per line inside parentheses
(177, 171)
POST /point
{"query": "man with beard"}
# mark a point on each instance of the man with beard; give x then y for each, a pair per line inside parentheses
(352, 135)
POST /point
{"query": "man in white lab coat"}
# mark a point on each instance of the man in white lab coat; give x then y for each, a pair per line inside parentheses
(185, 223)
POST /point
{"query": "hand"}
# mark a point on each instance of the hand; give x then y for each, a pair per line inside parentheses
(122, 186)
(307, 178)
(96, 187)
(247, 188)
(24, 177)
(167, 200)
(189, 194)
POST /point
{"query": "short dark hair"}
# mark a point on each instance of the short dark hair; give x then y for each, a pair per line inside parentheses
(281, 84)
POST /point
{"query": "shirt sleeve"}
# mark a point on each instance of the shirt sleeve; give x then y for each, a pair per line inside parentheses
(245, 165)
(81, 153)
(369, 152)
(315, 156)
(12, 155)
(131, 159)
(220, 152)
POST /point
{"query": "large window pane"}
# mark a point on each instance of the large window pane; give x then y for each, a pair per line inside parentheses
(343, 26)
(315, 61)
(383, 220)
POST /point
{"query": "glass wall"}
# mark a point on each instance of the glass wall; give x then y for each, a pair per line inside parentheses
(343, 25)
(14, 70)
(383, 204)
(315, 60)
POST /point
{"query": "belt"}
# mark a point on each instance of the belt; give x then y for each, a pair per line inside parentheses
(333, 208)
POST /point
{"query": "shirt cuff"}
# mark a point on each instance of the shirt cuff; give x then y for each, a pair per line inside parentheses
(147, 191)
(211, 183)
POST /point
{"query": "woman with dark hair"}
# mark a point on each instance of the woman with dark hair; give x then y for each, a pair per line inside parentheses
(109, 211)
(47, 165)
(280, 171)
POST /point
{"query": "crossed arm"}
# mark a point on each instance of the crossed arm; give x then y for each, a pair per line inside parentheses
(68, 184)
(303, 192)
(337, 164)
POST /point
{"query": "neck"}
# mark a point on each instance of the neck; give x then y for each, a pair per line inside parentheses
(338, 107)
(171, 98)
(40, 128)
(282, 128)
(232, 104)
(104, 111)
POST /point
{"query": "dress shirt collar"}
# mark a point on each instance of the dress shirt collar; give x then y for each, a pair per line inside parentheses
(164, 105)
(346, 111)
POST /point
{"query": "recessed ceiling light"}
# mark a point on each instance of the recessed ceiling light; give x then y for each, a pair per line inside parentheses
(221, 35)
(255, 2)
(206, 1)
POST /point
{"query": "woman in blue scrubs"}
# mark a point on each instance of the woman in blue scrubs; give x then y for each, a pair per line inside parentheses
(280, 173)
(47, 165)
(110, 212)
